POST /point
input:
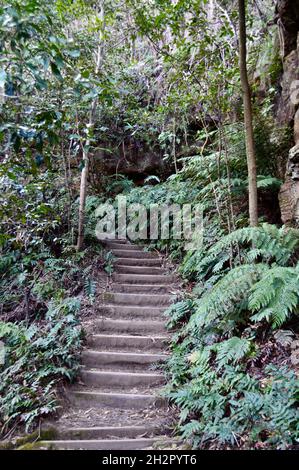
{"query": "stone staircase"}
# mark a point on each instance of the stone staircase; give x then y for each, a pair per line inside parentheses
(118, 377)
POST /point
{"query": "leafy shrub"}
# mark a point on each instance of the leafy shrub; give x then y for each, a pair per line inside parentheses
(37, 358)
(228, 407)
(246, 282)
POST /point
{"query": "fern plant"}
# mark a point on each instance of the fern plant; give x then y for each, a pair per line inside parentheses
(90, 287)
(226, 300)
(246, 282)
(268, 242)
(275, 296)
(230, 404)
(37, 357)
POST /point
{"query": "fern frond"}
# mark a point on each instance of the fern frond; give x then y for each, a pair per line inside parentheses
(284, 337)
(275, 296)
(226, 295)
(90, 287)
(232, 350)
(269, 242)
(176, 312)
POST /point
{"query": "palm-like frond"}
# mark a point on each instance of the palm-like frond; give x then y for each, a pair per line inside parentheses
(275, 296)
(226, 295)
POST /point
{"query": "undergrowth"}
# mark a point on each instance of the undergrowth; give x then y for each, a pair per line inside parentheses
(231, 372)
(44, 286)
(37, 358)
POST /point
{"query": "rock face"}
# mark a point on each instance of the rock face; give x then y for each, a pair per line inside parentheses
(132, 160)
(287, 19)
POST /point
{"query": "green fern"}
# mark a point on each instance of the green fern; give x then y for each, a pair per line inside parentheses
(232, 350)
(178, 312)
(226, 295)
(269, 242)
(275, 296)
(90, 287)
(284, 337)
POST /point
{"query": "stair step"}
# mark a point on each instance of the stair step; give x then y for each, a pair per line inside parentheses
(107, 432)
(119, 341)
(132, 311)
(103, 444)
(145, 288)
(138, 262)
(96, 378)
(143, 278)
(125, 247)
(117, 371)
(130, 253)
(146, 300)
(91, 358)
(127, 326)
(126, 401)
(139, 270)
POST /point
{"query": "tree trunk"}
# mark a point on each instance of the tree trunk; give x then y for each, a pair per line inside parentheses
(248, 118)
(91, 123)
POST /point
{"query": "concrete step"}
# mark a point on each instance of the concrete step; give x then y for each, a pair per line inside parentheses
(147, 327)
(130, 253)
(150, 279)
(120, 341)
(132, 311)
(146, 300)
(102, 378)
(124, 246)
(91, 358)
(145, 288)
(108, 432)
(103, 444)
(150, 270)
(138, 262)
(126, 401)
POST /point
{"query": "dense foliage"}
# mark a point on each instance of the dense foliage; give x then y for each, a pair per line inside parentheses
(37, 357)
(168, 85)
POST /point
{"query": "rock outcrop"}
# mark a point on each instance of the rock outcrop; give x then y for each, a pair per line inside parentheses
(132, 159)
(287, 19)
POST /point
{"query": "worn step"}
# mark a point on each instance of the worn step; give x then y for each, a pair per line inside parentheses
(143, 278)
(103, 444)
(108, 432)
(136, 327)
(132, 311)
(122, 298)
(128, 254)
(126, 401)
(119, 341)
(145, 288)
(138, 262)
(102, 378)
(124, 246)
(139, 270)
(91, 358)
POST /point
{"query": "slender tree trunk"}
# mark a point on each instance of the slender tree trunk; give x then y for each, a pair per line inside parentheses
(248, 118)
(174, 145)
(86, 148)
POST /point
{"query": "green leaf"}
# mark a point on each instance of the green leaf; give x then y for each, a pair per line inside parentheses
(56, 71)
(73, 53)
